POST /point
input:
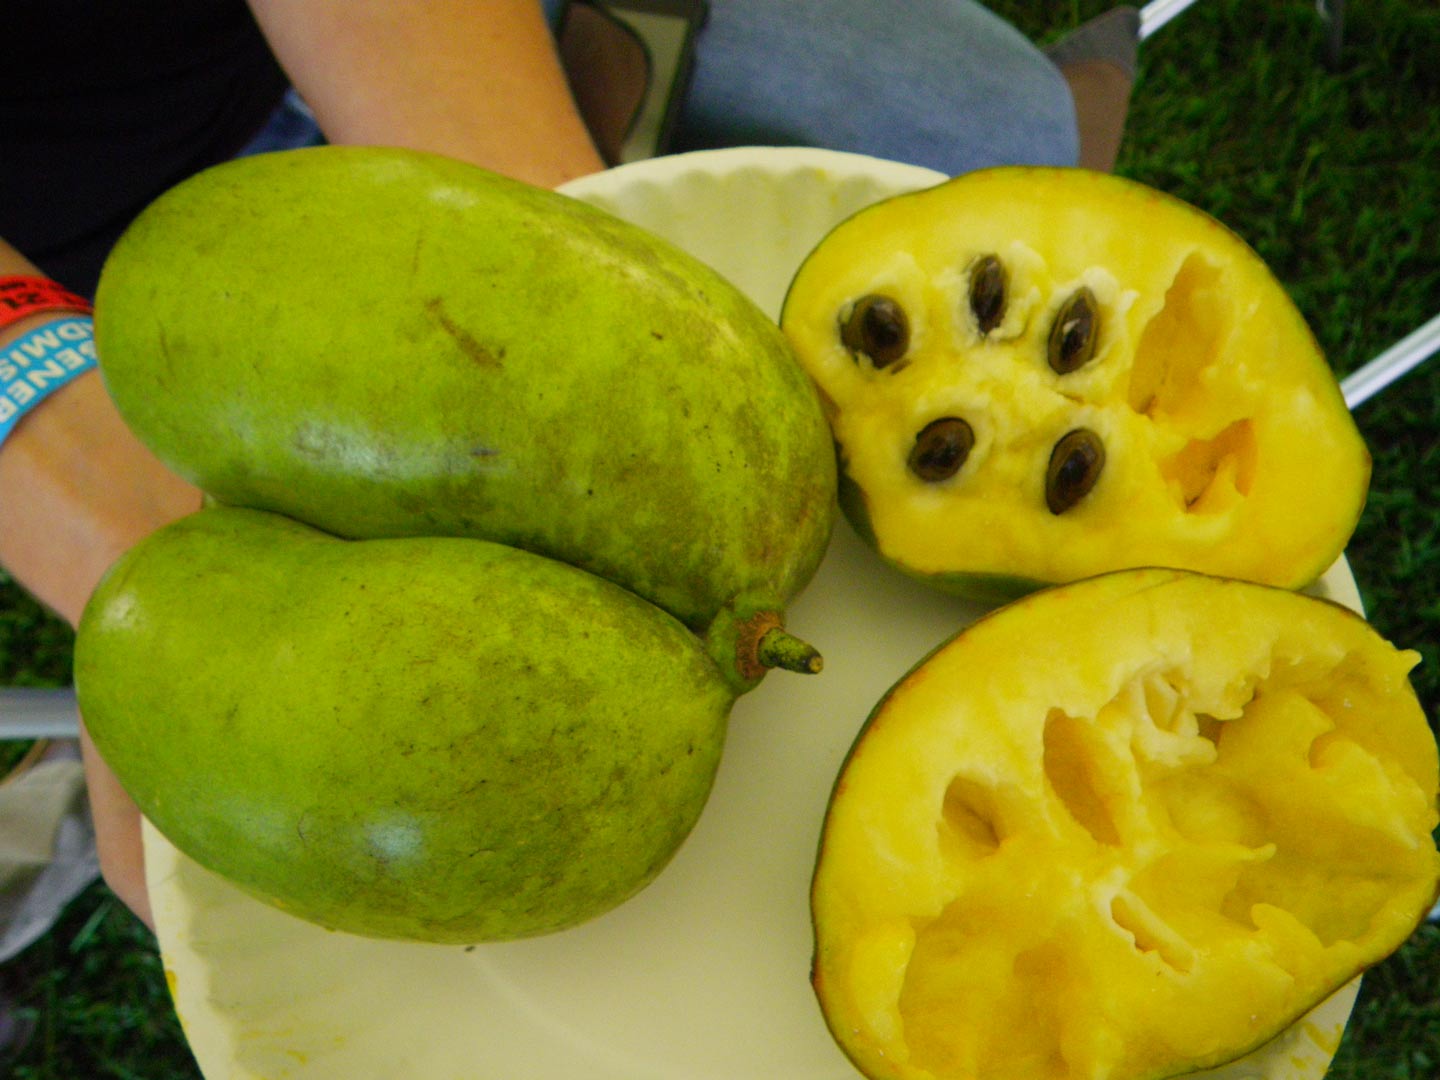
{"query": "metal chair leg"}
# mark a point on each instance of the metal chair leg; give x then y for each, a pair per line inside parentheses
(35, 713)
(1407, 353)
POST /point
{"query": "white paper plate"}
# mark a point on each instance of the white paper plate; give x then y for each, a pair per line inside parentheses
(705, 975)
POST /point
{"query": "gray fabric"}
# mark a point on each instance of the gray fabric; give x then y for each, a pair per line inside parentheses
(47, 848)
(946, 84)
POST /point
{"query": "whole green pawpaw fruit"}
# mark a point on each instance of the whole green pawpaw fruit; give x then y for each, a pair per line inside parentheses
(381, 342)
(437, 739)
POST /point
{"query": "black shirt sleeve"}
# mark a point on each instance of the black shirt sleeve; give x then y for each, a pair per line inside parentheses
(104, 104)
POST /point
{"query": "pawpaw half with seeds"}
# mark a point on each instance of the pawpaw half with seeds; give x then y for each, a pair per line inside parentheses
(1034, 375)
(1126, 828)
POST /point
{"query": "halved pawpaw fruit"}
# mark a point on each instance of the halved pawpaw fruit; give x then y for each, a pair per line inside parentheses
(1126, 828)
(1034, 375)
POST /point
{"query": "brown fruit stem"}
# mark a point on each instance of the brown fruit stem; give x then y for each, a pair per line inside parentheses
(778, 649)
(760, 643)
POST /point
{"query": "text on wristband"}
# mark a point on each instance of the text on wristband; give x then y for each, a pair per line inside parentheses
(40, 362)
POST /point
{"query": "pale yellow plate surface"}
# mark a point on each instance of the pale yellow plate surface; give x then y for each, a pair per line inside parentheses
(704, 976)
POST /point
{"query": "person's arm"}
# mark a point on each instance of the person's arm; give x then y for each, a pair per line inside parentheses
(478, 80)
(76, 490)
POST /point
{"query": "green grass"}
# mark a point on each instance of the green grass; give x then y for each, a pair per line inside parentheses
(1332, 174)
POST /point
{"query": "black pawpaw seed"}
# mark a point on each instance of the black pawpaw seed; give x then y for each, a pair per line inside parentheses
(989, 291)
(1074, 469)
(1075, 332)
(941, 449)
(876, 327)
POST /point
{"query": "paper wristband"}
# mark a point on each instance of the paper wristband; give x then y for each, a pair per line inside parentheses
(38, 364)
(27, 295)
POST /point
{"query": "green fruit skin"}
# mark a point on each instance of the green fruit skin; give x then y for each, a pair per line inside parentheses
(386, 343)
(431, 739)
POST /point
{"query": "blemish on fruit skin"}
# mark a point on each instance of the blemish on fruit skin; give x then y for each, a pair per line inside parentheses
(397, 840)
(466, 340)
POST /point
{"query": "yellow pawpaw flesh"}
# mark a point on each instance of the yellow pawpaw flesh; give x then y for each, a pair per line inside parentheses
(1034, 375)
(1129, 828)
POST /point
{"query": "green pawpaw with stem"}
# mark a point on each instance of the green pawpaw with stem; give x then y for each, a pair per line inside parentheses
(381, 342)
